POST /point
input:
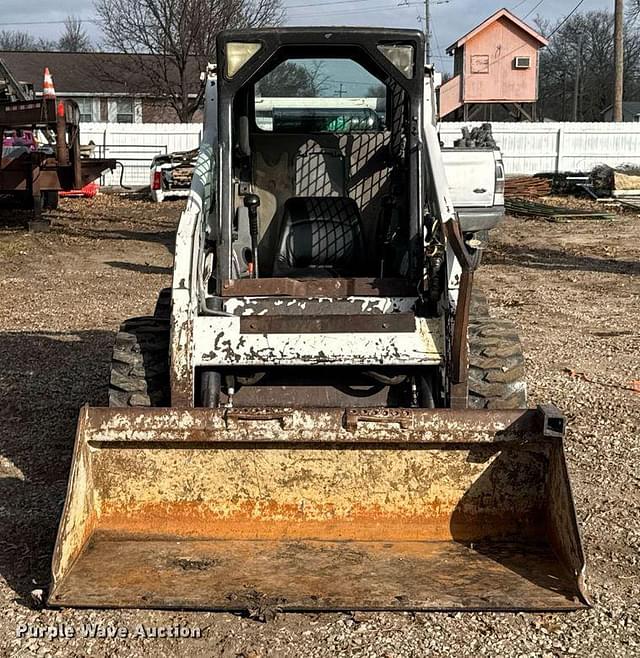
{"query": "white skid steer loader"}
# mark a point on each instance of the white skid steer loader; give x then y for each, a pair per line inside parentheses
(321, 415)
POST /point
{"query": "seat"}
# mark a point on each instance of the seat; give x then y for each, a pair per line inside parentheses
(320, 237)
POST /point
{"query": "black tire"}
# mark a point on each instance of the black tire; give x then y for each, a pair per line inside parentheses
(50, 199)
(163, 304)
(496, 365)
(479, 306)
(140, 364)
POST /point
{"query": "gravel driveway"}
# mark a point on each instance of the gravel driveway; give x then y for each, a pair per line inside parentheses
(573, 289)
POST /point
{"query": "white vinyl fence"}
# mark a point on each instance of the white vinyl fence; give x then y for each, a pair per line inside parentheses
(527, 148)
(531, 148)
(135, 145)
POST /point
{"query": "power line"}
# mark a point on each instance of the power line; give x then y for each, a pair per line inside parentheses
(323, 4)
(565, 19)
(533, 9)
(435, 38)
(374, 9)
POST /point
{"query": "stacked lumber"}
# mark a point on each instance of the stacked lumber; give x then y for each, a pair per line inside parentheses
(520, 206)
(182, 175)
(527, 186)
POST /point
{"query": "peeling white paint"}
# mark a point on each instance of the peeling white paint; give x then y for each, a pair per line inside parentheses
(218, 341)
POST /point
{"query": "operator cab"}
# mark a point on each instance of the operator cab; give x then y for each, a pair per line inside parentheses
(324, 160)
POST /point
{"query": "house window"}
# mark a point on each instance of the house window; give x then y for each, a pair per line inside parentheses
(479, 63)
(86, 109)
(124, 110)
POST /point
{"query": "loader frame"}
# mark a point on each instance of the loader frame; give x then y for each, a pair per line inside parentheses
(435, 339)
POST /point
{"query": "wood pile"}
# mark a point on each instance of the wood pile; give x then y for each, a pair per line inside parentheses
(479, 137)
(527, 186)
(182, 175)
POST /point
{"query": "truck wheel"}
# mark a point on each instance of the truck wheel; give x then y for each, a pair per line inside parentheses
(496, 365)
(140, 364)
(163, 304)
(50, 199)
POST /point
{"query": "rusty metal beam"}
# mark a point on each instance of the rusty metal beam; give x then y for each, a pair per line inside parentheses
(15, 173)
(289, 287)
(309, 324)
(459, 389)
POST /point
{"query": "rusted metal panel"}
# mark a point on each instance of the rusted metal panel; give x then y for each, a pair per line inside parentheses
(15, 173)
(25, 114)
(327, 324)
(320, 394)
(282, 287)
(318, 509)
(88, 169)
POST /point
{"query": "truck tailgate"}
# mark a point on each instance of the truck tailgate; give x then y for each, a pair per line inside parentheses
(471, 175)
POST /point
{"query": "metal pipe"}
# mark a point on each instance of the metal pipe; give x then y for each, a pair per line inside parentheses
(62, 149)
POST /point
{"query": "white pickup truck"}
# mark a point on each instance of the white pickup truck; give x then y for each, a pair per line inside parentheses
(476, 185)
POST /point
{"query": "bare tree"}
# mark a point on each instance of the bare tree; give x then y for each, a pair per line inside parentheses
(74, 38)
(180, 34)
(16, 40)
(584, 41)
(288, 79)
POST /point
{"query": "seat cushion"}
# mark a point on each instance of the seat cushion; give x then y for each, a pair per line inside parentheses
(320, 236)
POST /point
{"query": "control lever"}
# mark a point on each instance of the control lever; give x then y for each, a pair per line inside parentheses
(252, 203)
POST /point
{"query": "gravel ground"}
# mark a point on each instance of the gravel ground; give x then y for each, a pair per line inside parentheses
(572, 289)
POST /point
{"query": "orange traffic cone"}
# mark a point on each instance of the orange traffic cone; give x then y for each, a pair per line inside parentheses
(47, 86)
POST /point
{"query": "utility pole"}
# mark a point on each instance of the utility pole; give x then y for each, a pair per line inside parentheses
(340, 91)
(427, 32)
(618, 58)
(576, 89)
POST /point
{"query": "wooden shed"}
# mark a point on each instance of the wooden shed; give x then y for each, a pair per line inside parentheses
(495, 64)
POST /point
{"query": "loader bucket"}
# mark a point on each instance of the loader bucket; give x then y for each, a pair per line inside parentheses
(319, 509)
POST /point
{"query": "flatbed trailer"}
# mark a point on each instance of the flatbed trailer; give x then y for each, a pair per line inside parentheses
(39, 175)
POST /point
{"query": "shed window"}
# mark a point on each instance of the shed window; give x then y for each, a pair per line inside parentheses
(479, 63)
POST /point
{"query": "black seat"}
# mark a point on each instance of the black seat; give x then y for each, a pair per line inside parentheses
(320, 237)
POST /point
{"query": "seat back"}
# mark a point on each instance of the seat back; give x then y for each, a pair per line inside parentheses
(320, 236)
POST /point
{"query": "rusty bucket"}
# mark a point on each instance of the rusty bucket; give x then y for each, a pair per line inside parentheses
(319, 509)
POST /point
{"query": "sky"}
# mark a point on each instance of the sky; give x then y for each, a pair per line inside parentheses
(450, 18)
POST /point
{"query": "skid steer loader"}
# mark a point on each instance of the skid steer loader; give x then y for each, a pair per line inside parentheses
(321, 414)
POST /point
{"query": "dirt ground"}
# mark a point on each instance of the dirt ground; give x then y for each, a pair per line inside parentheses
(573, 289)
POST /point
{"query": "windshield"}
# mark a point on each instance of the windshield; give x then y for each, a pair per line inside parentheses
(329, 95)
